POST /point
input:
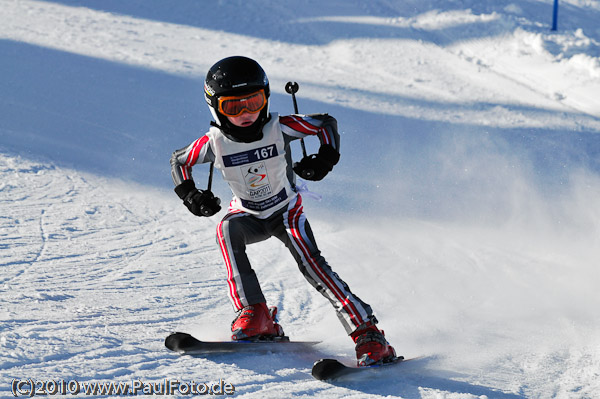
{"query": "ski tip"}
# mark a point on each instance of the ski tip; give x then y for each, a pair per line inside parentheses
(325, 362)
(327, 369)
(331, 369)
(177, 341)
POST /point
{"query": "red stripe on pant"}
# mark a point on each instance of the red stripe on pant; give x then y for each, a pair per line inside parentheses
(293, 220)
(237, 302)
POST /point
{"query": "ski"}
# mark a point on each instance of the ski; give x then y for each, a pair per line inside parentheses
(188, 345)
(331, 369)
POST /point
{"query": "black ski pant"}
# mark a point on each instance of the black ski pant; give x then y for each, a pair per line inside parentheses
(289, 225)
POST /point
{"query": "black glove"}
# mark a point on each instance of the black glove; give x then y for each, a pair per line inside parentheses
(316, 166)
(199, 202)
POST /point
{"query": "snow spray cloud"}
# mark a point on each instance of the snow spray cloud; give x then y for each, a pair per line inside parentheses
(534, 178)
(487, 238)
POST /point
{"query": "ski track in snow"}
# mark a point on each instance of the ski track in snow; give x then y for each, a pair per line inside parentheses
(477, 245)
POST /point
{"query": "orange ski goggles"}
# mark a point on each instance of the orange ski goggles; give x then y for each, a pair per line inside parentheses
(236, 105)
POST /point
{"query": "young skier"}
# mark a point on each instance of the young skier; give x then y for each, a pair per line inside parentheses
(250, 145)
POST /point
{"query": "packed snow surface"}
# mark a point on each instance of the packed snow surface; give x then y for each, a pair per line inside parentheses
(465, 208)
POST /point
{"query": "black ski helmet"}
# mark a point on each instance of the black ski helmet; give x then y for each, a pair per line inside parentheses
(235, 76)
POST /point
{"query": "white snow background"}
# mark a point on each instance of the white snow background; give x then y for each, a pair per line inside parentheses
(465, 208)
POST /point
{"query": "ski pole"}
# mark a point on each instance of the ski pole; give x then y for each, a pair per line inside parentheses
(210, 176)
(292, 88)
(207, 212)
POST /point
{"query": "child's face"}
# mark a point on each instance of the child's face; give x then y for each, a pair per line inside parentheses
(243, 120)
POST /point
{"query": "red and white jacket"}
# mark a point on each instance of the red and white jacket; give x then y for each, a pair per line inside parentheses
(260, 173)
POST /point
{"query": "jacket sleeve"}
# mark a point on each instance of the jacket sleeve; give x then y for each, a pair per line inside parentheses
(183, 159)
(324, 126)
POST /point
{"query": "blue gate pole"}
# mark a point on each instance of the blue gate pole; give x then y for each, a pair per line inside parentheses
(555, 16)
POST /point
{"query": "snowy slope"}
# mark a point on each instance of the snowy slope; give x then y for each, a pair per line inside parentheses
(464, 209)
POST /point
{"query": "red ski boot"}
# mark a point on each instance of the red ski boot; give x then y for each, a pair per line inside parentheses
(371, 346)
(256, 322)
